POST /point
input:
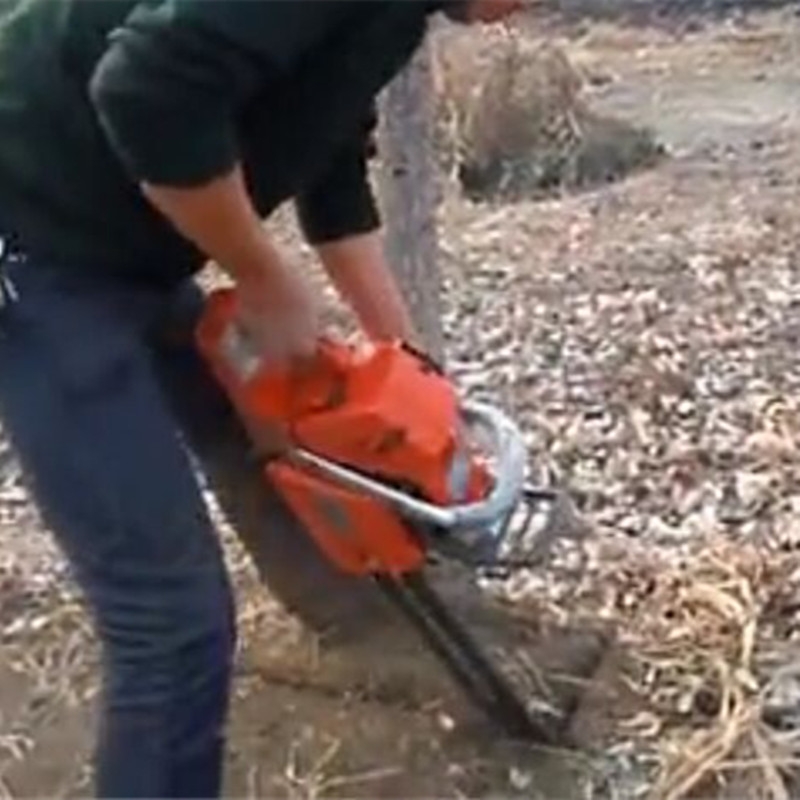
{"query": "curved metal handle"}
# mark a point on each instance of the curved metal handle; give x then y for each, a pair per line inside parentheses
(508, 447)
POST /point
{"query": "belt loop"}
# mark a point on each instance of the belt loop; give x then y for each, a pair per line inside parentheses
(8, 290)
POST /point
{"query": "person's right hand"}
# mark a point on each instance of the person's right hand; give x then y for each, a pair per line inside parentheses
(276, 310)
(277, 315)
(275, 307)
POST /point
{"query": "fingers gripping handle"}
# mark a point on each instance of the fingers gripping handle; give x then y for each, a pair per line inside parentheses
(508, 448)
(267, 391)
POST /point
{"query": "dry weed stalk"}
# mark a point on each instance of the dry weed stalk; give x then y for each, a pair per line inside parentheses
(698, 636)
(316, 780)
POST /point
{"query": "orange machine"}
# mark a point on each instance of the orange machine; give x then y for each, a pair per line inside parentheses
(384, 412)
(376, 455)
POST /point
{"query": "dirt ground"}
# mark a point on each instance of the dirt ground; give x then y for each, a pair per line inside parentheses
(551, 309)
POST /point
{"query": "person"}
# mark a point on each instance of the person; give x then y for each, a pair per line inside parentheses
(139, 140)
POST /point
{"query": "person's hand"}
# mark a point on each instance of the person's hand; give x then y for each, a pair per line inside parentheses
(277, 311)
(275, 308)
(277, 315)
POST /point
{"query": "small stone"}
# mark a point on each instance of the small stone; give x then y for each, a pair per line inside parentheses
(520, 779)
(445, 722)
(662, 532)
(754, 490)
(632, 524)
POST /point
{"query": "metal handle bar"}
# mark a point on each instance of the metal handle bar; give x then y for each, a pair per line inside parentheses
(508, 447)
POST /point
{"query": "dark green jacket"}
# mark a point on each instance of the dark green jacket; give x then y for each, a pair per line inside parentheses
(96, 95)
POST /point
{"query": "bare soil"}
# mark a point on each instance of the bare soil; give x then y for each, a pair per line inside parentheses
(548, 305)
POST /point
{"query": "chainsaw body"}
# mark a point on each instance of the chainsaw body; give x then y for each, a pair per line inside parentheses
(378, 460)
(375, 454)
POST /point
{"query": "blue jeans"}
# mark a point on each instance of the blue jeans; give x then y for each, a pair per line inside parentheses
(100, 393)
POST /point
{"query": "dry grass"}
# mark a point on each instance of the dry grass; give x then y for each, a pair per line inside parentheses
(703, 633)
(56, 660)
(513, 120)
(314, 774)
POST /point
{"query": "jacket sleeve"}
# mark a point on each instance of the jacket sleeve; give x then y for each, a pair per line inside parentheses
(340, 202)
(175, 75)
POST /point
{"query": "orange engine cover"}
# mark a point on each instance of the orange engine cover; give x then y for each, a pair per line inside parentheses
(358, 534)
(381, 410)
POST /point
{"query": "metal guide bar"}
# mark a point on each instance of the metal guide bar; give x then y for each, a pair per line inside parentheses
(463, 656)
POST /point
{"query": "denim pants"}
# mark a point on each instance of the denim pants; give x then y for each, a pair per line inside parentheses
(102, 396)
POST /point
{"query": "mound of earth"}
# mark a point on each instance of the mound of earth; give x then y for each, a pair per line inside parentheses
(513, 122)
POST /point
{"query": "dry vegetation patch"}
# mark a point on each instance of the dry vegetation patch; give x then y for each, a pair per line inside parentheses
(513, 120)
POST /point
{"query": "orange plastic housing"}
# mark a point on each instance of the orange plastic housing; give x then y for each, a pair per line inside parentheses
(358, 534)
(382, 411)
